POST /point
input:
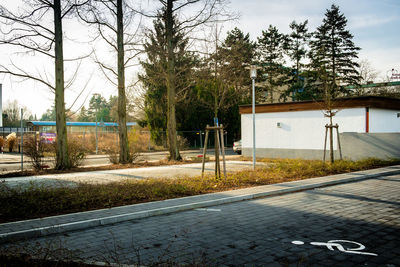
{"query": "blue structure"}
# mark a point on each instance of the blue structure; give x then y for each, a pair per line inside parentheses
(74, 126)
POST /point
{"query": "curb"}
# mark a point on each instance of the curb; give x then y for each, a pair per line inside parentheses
(80, 225)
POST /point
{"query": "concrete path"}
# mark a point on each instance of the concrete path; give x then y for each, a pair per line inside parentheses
(107, 176)
(71, 222)
(11, 158)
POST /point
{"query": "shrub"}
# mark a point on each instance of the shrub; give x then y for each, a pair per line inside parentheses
(76, 151)
(136, 144)
(1, 143)
(11, 141)
(35, 149)
(113, 154)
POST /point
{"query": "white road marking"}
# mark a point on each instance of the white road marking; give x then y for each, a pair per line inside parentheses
(332, 244)
(205, 209)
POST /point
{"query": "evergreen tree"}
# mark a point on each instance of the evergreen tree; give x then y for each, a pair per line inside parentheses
(83, 115)
(237, 51)
(334, 55)
(271, 46)
(49, 115)
(296, 49)
(155, 75)
(98, 108)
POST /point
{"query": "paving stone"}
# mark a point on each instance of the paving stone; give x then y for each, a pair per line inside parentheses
(260, 231)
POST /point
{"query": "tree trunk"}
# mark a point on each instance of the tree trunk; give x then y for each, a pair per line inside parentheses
(123, 136)
(331, 136)
(171, 118)
(62, 157)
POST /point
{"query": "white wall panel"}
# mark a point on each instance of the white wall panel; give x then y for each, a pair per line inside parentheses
(299, 129)
(383, 121)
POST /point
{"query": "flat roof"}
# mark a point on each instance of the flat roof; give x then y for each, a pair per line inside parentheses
(340, 103)
(78, 123)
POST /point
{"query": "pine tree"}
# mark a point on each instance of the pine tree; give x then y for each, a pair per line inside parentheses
(155, 75)
(296, 49)
(237, 50)
(271, 56)
(83, 115)
(333, 51)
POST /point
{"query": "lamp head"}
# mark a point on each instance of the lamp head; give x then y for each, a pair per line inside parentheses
(253, 72)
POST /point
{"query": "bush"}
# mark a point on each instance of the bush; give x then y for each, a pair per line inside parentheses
(113, 154)
(35, 149)
(1, 143)
(11, 140)
(136, 145)
(76, 151)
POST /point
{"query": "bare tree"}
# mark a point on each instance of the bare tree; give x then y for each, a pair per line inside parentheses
(367, 72)
(112, 18)
(12, 113)
(28, 30)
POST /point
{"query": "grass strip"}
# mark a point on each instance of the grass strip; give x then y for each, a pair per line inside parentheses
(39, 201)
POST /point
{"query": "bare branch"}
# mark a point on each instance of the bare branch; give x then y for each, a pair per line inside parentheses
(25, 75)
(78, 96)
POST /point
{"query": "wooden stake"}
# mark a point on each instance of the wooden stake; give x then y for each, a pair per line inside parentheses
(338, 140)
(204, 152)
(223, 150)
(326, 135)
(217, 165)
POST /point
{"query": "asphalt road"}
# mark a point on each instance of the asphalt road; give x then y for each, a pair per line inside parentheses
(354, 224)
(15, 164)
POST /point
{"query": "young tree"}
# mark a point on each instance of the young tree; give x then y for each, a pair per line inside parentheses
(333, 58)
(112, 18)
(30, 32)
(223, 82)
(270, 50)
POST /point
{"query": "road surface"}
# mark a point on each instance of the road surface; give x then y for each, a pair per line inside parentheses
(353, 224)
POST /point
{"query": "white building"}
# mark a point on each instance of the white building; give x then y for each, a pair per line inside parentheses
(368, 126)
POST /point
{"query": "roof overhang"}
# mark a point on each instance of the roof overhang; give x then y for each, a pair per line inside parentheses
(340, 103)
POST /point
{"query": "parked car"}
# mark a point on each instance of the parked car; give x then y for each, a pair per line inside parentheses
(237, 147)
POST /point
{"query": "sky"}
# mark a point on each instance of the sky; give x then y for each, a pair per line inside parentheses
(373, 23)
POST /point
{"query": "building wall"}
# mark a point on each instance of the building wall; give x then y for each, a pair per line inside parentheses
(357, 146)
(299, 129)
(302, 134)
(384, 121)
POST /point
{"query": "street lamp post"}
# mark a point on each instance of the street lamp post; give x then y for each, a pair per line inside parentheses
(253, 76)
(97, 111)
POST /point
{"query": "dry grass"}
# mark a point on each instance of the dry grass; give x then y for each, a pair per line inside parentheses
(39, 201)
